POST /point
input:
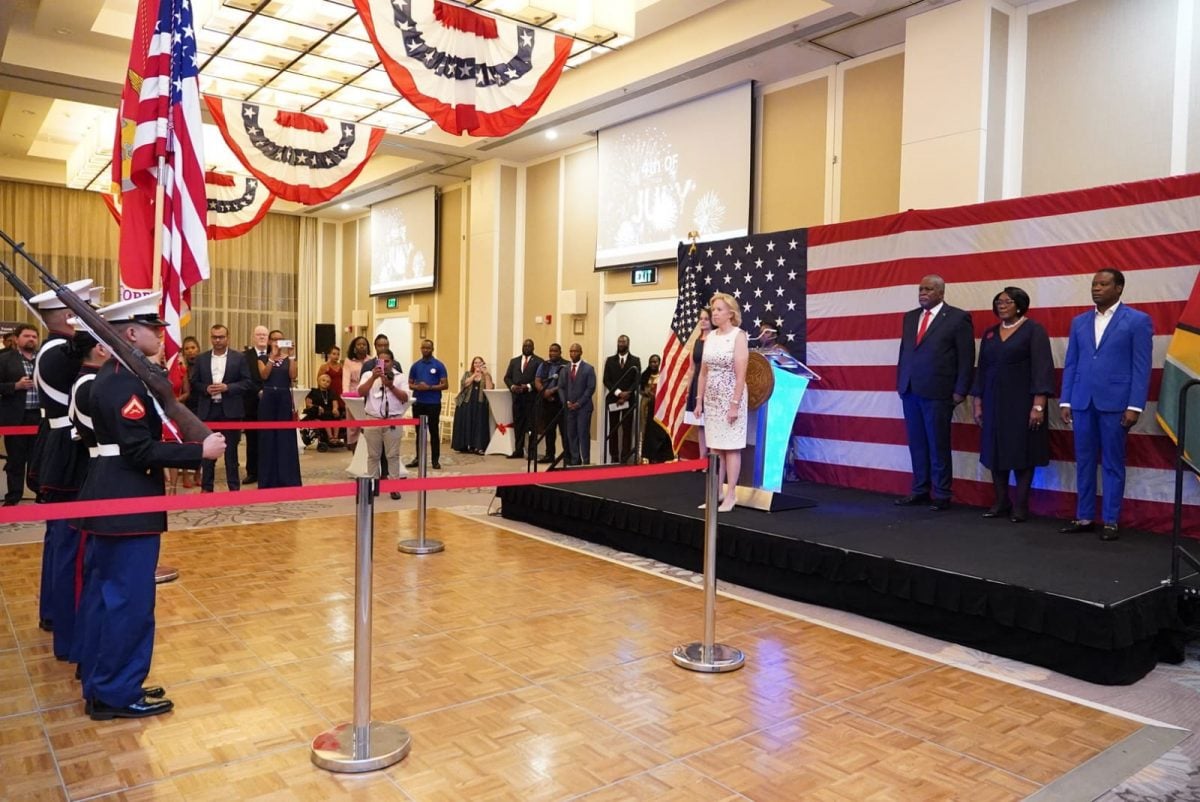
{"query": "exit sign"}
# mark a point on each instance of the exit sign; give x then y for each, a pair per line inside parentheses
(391, 303)
(645, 275)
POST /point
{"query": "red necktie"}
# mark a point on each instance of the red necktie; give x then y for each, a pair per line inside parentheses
(574, 370)
(924, 326)
(524, 364)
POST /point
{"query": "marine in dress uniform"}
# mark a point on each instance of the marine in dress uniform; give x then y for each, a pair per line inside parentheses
(129, 463)
(55, 463)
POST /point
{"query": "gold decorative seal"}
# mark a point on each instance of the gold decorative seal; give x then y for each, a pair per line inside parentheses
(760, 380)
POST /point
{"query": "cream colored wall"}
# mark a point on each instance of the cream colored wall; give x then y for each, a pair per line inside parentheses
(945, 82)
(794, 162)
(542, 238)
(1099, 86)
(870, 142)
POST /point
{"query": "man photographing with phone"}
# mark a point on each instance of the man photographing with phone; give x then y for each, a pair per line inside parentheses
(385, 394)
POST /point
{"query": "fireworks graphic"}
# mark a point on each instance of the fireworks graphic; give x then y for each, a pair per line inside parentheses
(709, 214)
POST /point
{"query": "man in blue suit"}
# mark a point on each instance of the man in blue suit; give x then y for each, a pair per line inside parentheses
(1106, 380)
(578, 389)
(221, 382)
(937, 352)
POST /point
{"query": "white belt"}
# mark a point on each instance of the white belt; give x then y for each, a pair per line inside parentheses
(105, 450)
(93, 451)
(60, 423)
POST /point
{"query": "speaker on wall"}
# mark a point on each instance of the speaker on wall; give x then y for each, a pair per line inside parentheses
(324, 337)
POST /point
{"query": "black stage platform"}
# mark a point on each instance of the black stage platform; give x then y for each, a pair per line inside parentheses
(1093, 610)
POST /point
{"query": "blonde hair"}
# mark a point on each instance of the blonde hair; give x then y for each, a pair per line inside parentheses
(731, 303)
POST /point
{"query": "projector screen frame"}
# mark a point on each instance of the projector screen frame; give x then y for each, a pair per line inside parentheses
(653, 258)
(372, 292)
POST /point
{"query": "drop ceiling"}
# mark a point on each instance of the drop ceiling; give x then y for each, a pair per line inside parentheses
(63, 60)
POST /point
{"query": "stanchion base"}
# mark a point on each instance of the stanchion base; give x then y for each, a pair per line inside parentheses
(165, 573)
(724, 658)
(418, 547)
(334, 750)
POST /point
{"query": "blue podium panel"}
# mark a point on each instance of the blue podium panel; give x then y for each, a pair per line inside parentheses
(773, 432)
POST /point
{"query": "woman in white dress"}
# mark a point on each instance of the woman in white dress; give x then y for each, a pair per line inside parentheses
(721, 392)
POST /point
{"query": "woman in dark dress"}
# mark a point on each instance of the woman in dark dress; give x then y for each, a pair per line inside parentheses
(472, 432)
(693, 376)
(1014, 379)
(656, 443)
(278, 453)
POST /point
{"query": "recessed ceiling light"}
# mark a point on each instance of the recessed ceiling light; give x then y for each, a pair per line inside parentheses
(63, 31)
(552, 134)
(345, 206)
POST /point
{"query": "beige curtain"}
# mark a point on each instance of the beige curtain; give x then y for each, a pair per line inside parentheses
(69, 232)
(253, 278)
(307, 306)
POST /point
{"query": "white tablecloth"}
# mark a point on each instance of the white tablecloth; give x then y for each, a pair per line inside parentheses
(500, 411)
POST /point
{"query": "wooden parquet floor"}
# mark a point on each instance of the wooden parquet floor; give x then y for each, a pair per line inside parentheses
(524, 671)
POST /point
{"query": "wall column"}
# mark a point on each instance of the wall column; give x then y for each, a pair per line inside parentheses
(491, 285)
(956, 74)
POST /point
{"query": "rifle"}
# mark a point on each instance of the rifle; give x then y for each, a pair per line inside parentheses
(191, 428)
(24, 290)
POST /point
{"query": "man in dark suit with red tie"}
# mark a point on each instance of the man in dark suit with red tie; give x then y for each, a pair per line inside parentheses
(519, 379)
(937, 353)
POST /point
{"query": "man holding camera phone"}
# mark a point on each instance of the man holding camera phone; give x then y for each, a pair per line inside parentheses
(385, 394)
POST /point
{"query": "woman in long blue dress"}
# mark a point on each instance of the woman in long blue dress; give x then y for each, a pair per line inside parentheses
(278, 454)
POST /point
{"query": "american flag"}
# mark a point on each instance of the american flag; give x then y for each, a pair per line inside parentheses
(863, 277)
(165, 122)
(765, 273)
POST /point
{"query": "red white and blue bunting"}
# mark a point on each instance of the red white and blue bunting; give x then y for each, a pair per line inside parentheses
(236, 204)
(299, 157)
(471, 73)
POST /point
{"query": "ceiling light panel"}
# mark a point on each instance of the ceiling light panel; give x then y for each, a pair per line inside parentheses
(226, 88)
(307, 85)
(340, 111)
(282, 33)
(364, 98)
(396, 123)
(331, 69)
(227, 68)
(348, 50)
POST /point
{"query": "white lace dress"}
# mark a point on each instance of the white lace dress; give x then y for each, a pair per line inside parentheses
(719, 433)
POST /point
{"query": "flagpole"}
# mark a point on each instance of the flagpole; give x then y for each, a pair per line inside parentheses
(156, 259)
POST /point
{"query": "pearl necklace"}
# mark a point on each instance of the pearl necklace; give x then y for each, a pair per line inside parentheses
(1004, 325)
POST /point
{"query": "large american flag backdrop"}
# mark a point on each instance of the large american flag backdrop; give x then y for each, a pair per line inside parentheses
(862, 277)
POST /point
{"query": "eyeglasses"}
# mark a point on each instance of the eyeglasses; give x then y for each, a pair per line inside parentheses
(1005, 302)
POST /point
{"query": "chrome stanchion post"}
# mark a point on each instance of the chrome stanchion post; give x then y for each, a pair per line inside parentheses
(707, 655)
(421, 545)
(362, 745)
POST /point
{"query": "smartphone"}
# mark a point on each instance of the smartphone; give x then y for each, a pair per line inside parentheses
(285, 343)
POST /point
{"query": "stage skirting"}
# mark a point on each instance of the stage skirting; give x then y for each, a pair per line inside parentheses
(1092, 610)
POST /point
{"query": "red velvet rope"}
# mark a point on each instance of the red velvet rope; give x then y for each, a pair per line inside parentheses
(241, 498)
(221, 426)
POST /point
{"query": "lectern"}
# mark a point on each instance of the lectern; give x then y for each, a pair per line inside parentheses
(769, 433)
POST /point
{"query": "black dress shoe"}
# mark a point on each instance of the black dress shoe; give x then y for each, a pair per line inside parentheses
(1075, 527)
(412, 464)
(1019, 516)
(912, 501)
(394, 496)
(149, 691)
(437, 466)
(997, 512)
(939, 504)
(45, 625)
(1108, 532)
(250, 480)
(517, 455)
(142, 708)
